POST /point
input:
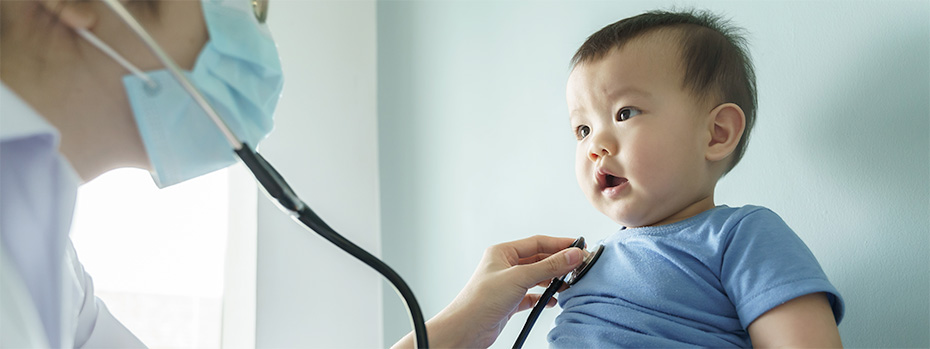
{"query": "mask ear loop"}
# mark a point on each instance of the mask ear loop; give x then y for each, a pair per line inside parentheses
(99, 44)
(175, 70)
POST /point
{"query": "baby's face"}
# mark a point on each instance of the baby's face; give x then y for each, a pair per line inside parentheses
(641, 135)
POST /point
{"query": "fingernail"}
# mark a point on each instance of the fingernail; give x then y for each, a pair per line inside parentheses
(573, 256)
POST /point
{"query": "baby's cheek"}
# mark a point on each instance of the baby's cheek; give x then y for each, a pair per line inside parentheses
(652, 172)
(641, 161)
(656, 154)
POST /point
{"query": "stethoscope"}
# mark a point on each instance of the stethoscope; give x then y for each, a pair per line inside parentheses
(271, 181)
(568, 279)
(277, 188)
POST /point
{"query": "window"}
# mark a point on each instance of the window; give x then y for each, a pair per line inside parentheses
(157, 256)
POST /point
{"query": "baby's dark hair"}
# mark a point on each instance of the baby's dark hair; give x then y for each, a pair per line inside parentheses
(713, 53)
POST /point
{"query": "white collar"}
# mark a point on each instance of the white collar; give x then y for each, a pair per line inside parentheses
(19, 120)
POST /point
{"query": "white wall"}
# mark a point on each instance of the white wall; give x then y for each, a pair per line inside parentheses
(310, 294)
(475, 147)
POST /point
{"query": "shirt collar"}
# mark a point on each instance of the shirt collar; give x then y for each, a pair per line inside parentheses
(19, 120)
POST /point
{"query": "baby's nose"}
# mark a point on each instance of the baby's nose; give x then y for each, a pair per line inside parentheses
(596, 152)
(602, 144)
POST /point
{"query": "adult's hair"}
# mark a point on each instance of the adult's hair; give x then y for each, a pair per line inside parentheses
(713, 54)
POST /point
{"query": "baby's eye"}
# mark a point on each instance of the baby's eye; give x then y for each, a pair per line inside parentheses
(627, 112)
(582, 131)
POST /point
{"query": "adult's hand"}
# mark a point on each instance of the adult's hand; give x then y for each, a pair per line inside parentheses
(497, 290)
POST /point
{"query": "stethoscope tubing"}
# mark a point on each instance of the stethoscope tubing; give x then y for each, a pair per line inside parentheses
(276, 187)
(534, 314)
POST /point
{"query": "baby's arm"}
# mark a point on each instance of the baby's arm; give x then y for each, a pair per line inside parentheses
(806, 321)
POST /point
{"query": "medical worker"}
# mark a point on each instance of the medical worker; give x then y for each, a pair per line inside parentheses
(81, 95)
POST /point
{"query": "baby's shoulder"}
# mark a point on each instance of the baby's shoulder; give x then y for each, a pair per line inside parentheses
(749, 221)
(744, 216)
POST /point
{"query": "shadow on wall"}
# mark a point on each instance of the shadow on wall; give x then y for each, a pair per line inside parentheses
(868, 138)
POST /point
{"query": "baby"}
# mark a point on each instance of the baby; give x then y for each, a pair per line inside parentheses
(662, 105)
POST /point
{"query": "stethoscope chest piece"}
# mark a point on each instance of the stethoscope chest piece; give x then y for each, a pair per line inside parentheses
(586, 265)
(570, 279)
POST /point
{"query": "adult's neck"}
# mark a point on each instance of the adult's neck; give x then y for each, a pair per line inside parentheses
(75, 88)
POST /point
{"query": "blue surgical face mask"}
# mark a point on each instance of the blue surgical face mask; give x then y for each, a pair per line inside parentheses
(239, 73)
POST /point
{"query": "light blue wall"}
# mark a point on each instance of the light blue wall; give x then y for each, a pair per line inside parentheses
(309, 293)
(475, 146)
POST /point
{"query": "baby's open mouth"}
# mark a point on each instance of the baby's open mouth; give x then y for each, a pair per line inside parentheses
(606, 180)
(611, 181)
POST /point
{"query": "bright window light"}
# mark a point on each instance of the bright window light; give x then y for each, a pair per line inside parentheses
(157, 256)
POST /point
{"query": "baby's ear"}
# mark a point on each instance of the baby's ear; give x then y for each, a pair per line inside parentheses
(726, 124)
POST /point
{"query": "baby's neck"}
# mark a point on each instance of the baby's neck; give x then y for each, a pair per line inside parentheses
(689, 211)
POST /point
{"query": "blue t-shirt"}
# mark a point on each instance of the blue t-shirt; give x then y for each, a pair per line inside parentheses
(698, 282)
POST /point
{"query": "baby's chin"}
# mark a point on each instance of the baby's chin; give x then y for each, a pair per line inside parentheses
(629, 214)
(631, 219)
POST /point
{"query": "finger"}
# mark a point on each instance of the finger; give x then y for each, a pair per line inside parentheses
(532, 246)
(530, 300)
(552, 302)
(533, 259)
(556, 265)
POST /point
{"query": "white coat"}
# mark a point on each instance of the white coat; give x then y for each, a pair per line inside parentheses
(46, 297)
